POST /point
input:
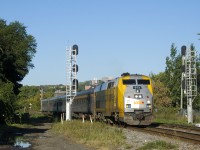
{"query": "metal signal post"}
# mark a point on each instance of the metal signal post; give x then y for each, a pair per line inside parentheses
(189, 79)
(72, 82)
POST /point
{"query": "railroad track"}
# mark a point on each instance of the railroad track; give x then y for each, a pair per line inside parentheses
(191, 134)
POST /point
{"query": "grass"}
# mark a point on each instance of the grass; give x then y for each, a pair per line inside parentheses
(27, 121)
(158, 145)
(197, 117)
(169, 116)
(96, 135)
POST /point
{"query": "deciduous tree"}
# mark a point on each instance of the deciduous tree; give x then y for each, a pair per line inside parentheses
(17, 49)
(173, 75)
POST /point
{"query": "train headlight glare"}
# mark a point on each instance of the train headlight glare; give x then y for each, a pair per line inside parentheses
(140, 96)
(136, 96)
(148, 102)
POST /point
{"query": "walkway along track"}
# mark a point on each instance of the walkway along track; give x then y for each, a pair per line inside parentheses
(191, 134)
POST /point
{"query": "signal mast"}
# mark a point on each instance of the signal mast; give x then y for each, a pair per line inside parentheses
(189, 79)
(72, 82)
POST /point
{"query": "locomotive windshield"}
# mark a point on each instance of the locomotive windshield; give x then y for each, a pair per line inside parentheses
(144, 82)
(129, 82)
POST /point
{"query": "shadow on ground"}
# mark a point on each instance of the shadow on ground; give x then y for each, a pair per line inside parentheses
(27, 125)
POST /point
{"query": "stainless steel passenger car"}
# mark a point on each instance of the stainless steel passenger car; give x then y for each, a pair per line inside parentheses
(127, 99)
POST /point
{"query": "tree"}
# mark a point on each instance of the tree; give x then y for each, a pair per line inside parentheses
(196, 103)
(161, 92)
(173, 75)
(17, 49)
(27, 95)
(7, 98)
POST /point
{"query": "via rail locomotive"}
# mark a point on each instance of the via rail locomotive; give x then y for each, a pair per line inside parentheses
(127, 99)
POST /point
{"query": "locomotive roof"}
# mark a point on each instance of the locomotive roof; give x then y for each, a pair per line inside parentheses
(86, 92)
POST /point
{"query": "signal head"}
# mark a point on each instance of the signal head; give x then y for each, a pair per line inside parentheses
(183, 50)
(75, 49)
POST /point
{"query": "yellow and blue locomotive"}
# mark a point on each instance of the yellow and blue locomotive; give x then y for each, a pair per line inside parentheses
(127, 99)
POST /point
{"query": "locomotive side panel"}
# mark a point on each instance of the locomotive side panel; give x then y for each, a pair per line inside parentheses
(120, 95)
(110, 99)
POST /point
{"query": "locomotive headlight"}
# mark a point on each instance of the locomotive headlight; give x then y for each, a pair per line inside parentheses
(137, 91)
(148, 102)
(138, 96)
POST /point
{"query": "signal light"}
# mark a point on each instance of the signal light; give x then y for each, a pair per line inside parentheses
(75, 68)
(74, 84)
(183, 68)
(68, 98)
(183, 84)
(183, 50)
(75, 50)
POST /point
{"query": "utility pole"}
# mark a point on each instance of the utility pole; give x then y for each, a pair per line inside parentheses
(72, 82)
(41, 96)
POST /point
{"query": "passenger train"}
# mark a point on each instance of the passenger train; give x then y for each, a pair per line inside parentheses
(127, 99)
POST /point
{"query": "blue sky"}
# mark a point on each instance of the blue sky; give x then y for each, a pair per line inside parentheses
(114, 36)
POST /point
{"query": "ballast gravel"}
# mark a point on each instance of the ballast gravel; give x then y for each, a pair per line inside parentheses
(136, 139)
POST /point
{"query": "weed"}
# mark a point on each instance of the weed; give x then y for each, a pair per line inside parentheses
(160, 145)
(94, 135)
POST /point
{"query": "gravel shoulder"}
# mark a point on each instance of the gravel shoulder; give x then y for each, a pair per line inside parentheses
(136, 139)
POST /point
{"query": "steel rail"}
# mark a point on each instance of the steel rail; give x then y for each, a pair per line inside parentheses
(190, 134)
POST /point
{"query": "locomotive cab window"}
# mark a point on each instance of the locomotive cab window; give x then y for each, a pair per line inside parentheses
(143, 81)
(110, 85)
(129, 82)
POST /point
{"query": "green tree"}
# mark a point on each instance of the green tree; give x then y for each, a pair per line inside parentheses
(7, 98)
(196, 103)
(172, 79)
(161, 92)
(17, 49)
(27, 95)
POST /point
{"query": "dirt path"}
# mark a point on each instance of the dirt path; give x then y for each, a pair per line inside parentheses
(49, 141)
(38, 137)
